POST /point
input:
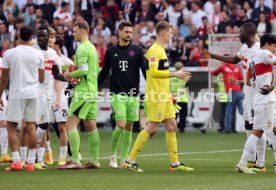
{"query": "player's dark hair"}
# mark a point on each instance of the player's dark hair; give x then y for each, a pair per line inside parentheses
(43, 27)
(268, 38)
(59, 41)
(26, 33)
(82, 25)
(161, 26)
(249, 28)
(124, 24)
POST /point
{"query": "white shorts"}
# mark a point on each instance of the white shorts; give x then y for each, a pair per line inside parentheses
(22, 109)
(248, 112)
(62, 113)
(46, 114)
(263, 116)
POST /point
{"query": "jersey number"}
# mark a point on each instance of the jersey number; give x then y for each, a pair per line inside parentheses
(252, 70)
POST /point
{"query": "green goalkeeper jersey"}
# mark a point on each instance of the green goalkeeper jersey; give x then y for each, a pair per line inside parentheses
(86, 61)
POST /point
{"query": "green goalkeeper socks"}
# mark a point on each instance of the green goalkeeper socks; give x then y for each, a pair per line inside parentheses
(126, 142)
(116, 135)
(74, 140)
(94, 143)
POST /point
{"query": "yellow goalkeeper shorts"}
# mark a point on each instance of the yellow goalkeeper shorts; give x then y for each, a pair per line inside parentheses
(160, 111)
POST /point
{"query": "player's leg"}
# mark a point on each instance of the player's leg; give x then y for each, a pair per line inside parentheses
(171, 139)
(5, 158)
(142, 116)
(132, 116)
(182, 116)
(63, 141)
(228, 118)
(119, 108)
(48, 149)
(14, 114)
(89, 114)
(23, 142)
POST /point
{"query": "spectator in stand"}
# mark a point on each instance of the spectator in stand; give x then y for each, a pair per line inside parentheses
(176, 52)
(121, 17)
(68, 49)
(63, 13)
(144, 13)
(48, 9)
(184, 8)
(38, 17)
(101, 48)
(3, 19)
(150, 32)
(195, 59)
(173, 13)
(202, 31)
(157, 6)
(226, 21)
(85, 9)
(4, 35)
(10, 23)
(185, 28)
(113, 41)
(267, 3)
(25, 6)
(260, 9)
(247, 6)
(215, 18)
(18, 25)
(10, 7)
(273, 18)
(106, 30)
(193, 38)
(136, 41)
(263, 26)
(29, 15)
(110, 13)
(137, 28)
(209, 6)
(159, 17)
(242, 18)
(129, 10)
(230, 6)
(197, 14)
(97, 32)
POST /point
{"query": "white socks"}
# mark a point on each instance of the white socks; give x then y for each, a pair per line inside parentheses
(23, 153)
(15, 157)
(40, 134)
(63, 152)
(4, 141)
(260, 149)
(249, 149)
(40, 154)
(31, 157)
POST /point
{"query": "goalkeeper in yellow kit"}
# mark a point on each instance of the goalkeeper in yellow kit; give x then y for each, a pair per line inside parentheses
(158, 100)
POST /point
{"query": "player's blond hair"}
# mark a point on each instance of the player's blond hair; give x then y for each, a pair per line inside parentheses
(162, 26)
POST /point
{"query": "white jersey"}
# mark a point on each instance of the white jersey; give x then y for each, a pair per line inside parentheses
(24, 63)
(65, 61)
(260, 74)
(50, 58)
(244, 54)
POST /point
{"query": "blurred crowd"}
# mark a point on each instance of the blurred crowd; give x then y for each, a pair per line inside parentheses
(193, 20)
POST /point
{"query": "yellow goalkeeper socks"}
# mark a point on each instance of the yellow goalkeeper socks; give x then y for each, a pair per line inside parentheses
(172, 146)
(140, 142)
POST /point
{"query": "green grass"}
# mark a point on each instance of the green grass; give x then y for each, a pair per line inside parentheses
(212, 155)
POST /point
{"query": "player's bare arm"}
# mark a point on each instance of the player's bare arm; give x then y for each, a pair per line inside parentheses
(3, 83)
(228, 59)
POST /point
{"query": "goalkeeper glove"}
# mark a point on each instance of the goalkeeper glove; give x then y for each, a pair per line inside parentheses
(176, 107)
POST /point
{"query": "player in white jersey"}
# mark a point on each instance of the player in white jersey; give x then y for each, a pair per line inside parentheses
(5, 158)
(61, 114)
(247, 37)
(23, 67)
(49, 97)
(260, 76)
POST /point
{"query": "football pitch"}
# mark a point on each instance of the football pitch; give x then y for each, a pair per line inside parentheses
(213, 156)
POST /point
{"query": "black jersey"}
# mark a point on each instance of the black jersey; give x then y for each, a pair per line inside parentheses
(123, 64)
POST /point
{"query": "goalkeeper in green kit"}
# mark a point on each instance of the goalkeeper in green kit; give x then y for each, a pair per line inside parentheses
(84, 102)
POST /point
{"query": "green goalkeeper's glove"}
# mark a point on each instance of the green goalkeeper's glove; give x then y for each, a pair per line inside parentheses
(64, 67)
(176, 107)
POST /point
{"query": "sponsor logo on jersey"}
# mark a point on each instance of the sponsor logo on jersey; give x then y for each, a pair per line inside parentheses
(123, 65)
(48, 64)
(115, 55)
(131, 53)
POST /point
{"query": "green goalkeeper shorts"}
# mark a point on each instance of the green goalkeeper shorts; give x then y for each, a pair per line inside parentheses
(125, 107)
(85, 110)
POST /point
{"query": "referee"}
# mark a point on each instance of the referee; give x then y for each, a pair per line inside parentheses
(123, 62)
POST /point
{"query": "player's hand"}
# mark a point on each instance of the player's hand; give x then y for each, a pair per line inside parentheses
(231, 80)
(266, 89)
(205, 54)
(1, 105)
(66, 74)
(182, 74)
(57, 105)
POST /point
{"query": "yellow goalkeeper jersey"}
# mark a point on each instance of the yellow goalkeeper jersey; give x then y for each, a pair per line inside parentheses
(158, 82)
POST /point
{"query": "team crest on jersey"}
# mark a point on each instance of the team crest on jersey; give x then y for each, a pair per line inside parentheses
(131, 53)
(152, 59)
